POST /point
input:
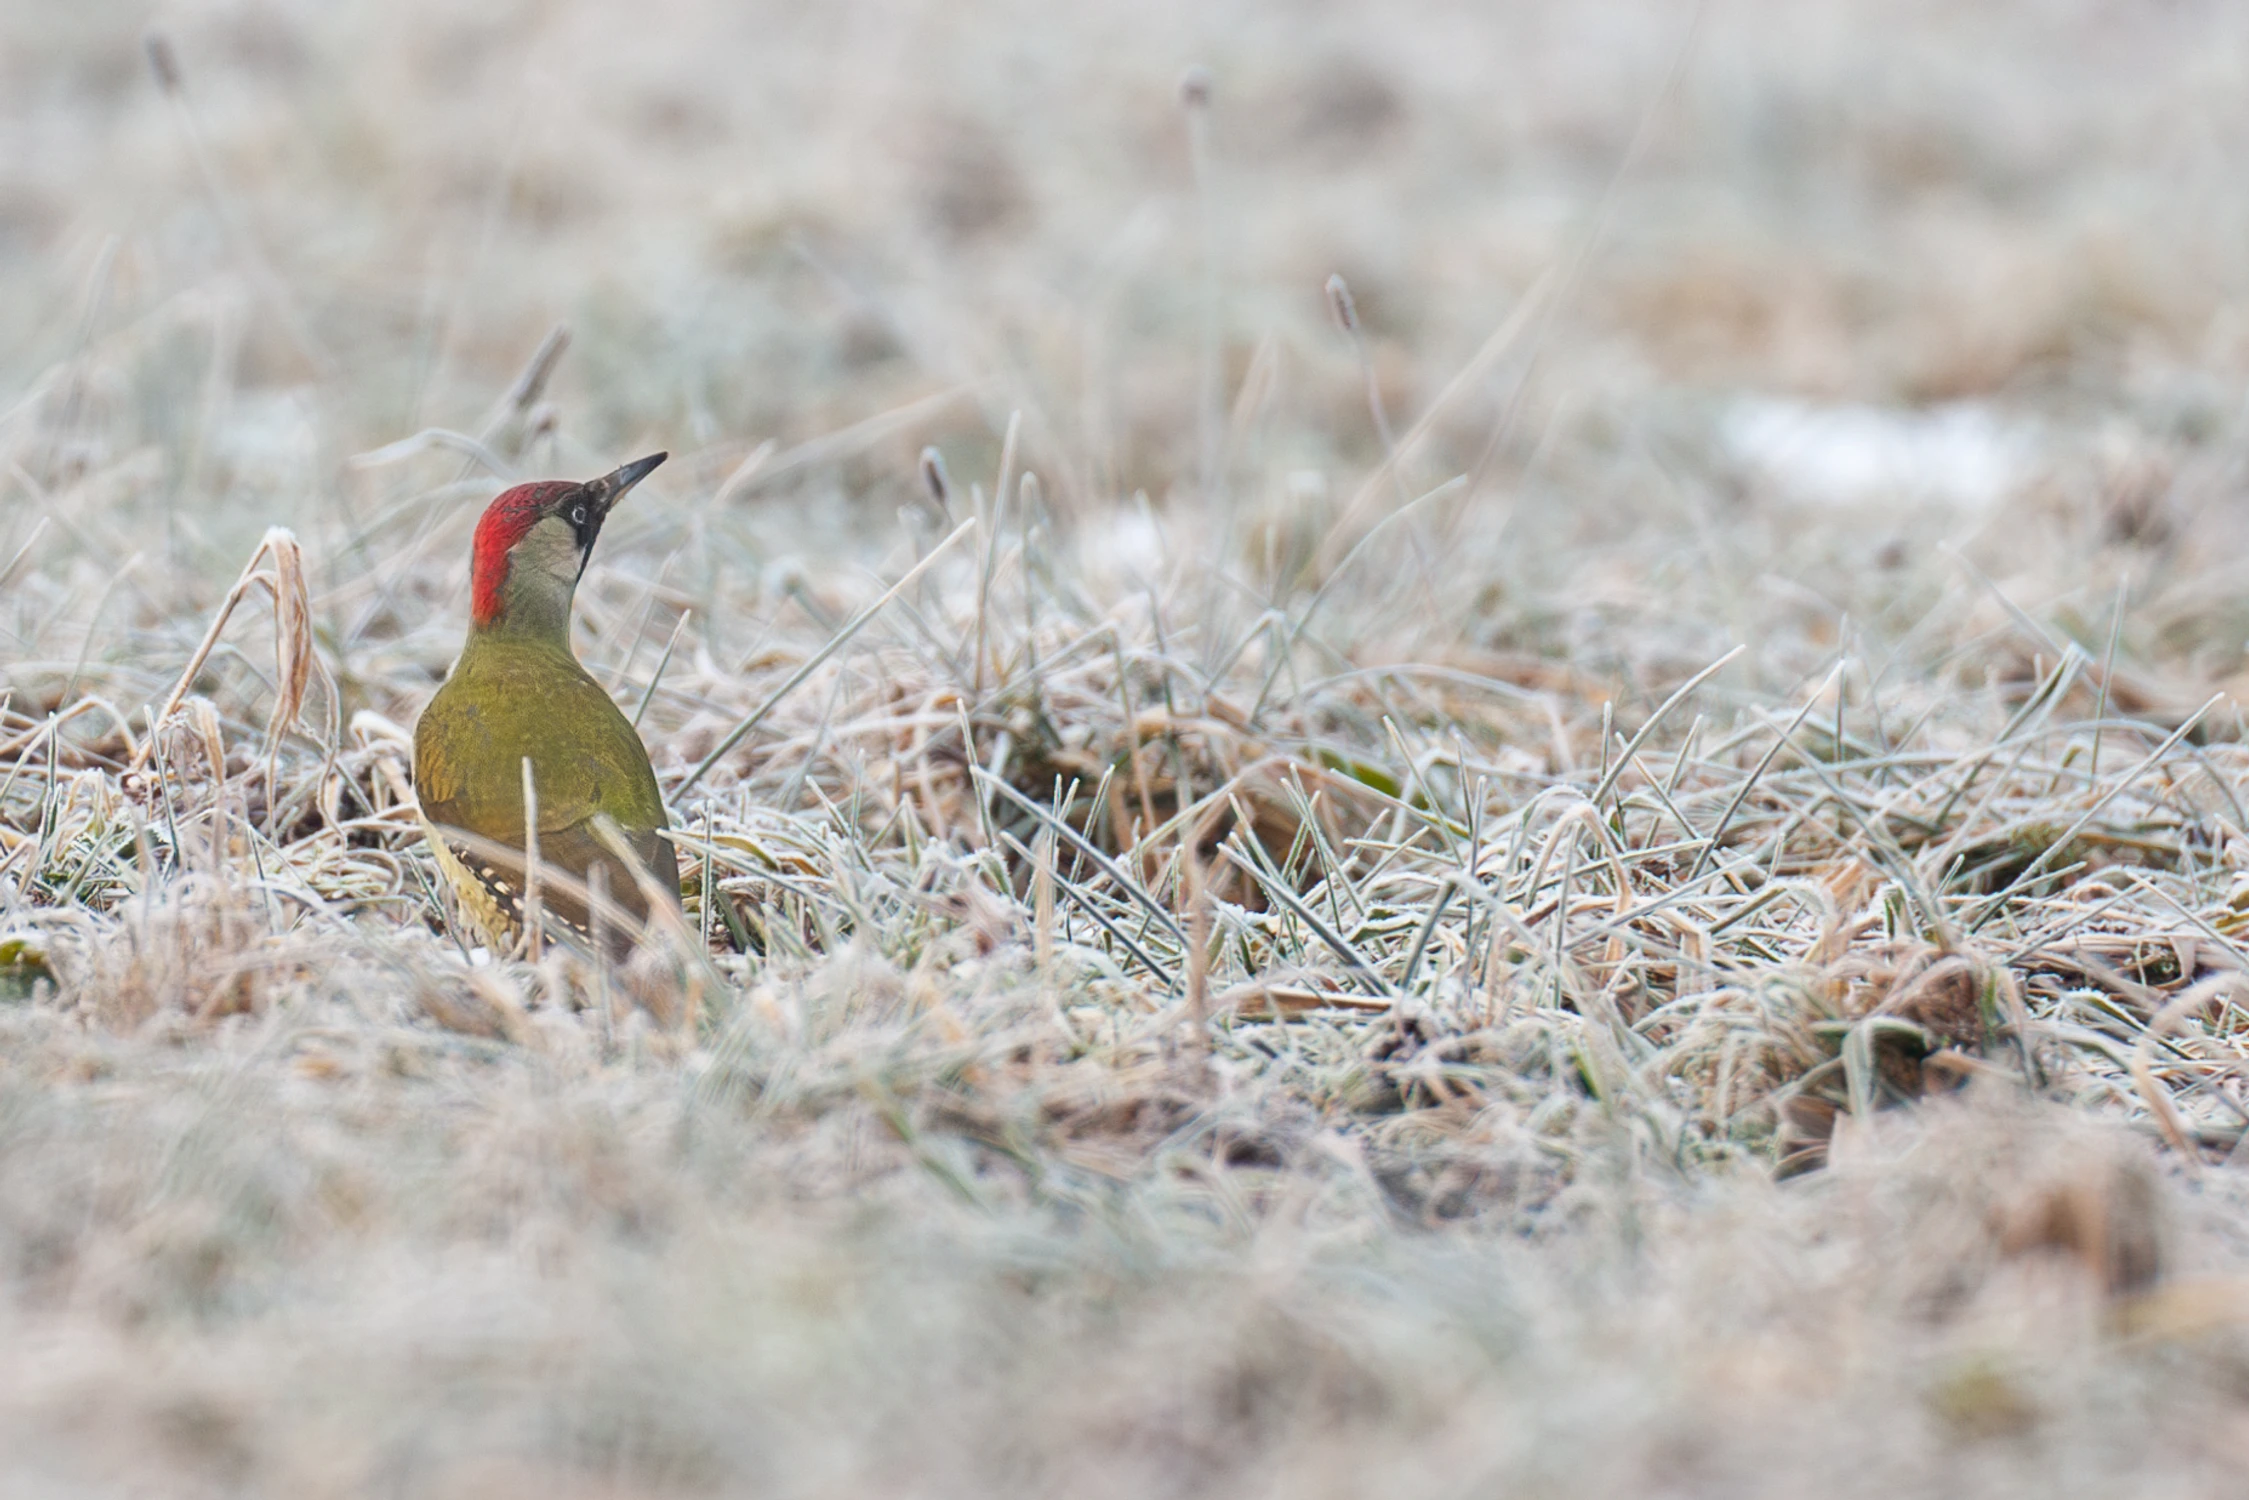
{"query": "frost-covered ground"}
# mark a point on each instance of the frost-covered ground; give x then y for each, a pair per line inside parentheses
(1623, 877)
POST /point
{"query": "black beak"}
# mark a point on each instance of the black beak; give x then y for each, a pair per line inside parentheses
(587, 506)
(610, 488)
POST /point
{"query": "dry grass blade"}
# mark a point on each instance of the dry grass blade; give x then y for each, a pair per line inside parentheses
(813, 662)
(1625, 758)
(534, 907)
(435, 437)
(1749, 783)
(2038, 866)
(284, 584)
(1139, 893)
(1320, 929)
(1252, 974)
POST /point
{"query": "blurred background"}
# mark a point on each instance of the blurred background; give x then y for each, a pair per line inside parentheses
(1902, 344)
(1783, 296)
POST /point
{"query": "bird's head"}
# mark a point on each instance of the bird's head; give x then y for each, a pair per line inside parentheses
(533, 542)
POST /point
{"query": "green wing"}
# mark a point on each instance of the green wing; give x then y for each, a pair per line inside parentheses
(504, 702)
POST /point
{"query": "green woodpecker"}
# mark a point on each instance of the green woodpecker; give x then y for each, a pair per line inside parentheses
(518, 693)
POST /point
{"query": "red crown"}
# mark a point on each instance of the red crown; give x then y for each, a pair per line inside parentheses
(506, 519)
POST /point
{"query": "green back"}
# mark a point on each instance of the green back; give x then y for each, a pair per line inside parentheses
(511, 696)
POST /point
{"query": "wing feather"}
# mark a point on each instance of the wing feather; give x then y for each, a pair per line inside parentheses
(500, 705)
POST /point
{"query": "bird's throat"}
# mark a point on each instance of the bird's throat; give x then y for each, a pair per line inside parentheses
(534, 605)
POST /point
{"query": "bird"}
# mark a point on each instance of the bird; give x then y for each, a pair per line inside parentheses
(517, 693)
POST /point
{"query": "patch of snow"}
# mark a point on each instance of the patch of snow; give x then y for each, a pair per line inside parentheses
(1961, 454)
(1126, 545)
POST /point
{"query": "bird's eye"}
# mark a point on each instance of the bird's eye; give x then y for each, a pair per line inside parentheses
(577, 515)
